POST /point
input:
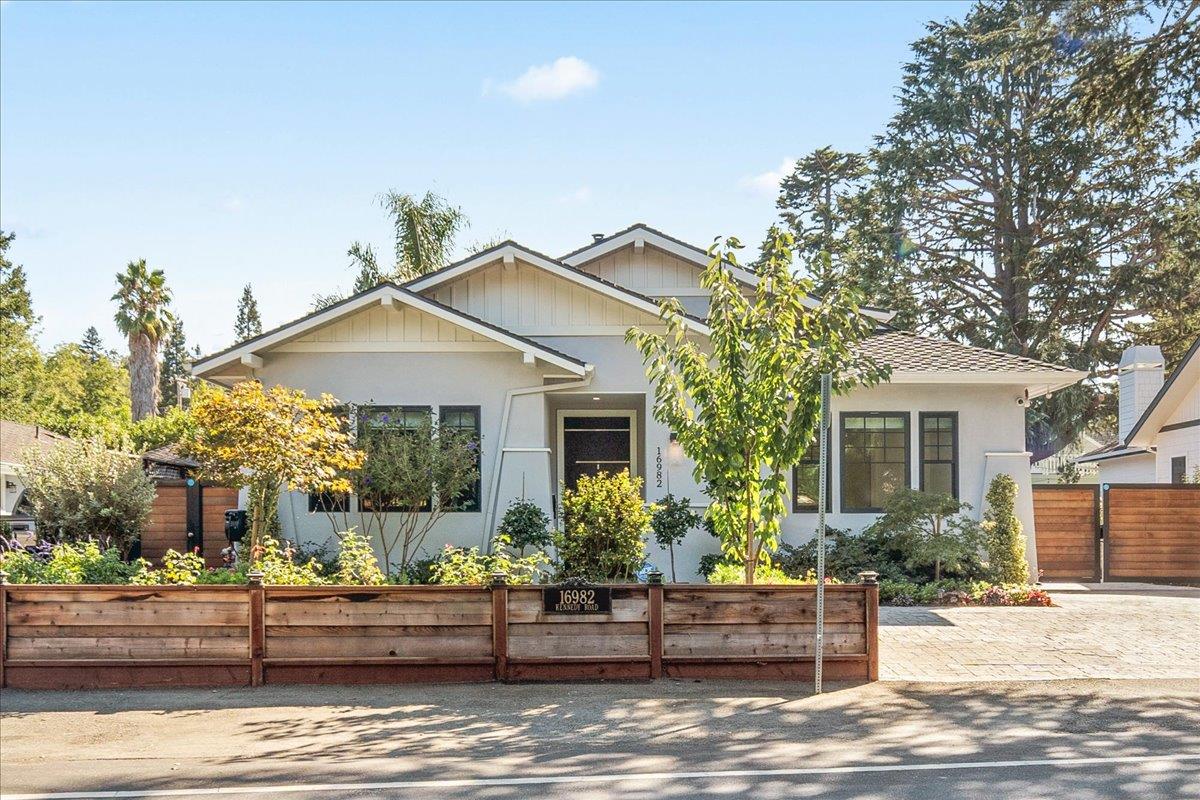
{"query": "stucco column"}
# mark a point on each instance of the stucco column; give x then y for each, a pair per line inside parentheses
(1015, 465)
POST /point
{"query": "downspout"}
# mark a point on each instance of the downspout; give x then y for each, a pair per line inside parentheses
(497, 465)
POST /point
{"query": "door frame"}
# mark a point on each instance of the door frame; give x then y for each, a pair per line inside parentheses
(563, 413)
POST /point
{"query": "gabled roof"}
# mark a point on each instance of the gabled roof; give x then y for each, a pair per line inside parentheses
(245, 353)
(1112, 450)
(915, 358)
(1186, 374)
(508, 250)
(640, 232)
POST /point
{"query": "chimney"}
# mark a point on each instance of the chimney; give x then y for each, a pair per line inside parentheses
(597, 237)
(1139, 376)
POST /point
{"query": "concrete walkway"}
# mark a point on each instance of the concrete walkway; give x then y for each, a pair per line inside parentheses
(1120, 631)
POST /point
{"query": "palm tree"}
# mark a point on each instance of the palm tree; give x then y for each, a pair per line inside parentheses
(425, 231)
(142, 315)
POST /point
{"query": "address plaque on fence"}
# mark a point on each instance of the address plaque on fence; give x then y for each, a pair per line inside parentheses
(577, 599)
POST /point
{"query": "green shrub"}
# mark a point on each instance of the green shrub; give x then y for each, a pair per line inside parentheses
(82, 491)
(463, 567)
(604, 529)
(898, 593)
(1002, 533)
(67, 563)
(526, 525)
(671, 520)
(930, 530)
(280, 568)
(178, 569)
(730, 572)
(356, 562)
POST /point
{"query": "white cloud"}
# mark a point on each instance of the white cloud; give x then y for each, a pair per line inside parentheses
(564, 77)
(577, 197)
(767, 183)
(234, 204)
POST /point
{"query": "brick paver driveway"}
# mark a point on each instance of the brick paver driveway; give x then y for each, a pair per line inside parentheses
(1124, 632)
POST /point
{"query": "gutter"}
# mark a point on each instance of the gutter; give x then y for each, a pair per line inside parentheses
(497, 465)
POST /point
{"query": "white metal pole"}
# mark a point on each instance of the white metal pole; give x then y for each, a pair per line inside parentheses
(822, 472)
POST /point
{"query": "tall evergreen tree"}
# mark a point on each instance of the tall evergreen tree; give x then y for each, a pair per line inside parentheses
(248, 323)
(92, 345)
(20, 359)
(1031, 229)
(175, 360)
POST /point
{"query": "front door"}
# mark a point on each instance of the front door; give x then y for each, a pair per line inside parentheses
(594, 442)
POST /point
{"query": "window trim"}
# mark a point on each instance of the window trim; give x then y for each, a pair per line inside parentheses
(1182, 461)
(907, 417)
(954, 464)
(477, 506)
(796, 509)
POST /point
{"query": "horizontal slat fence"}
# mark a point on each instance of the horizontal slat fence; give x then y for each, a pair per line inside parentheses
(1152, 532)
(60, 637)
(1066, 519)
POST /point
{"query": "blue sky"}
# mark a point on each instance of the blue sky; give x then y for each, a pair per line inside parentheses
(232, 143)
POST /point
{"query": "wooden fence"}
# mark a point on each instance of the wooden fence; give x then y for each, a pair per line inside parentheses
(1067, 521)
(1152, 532)
(186, 516)
(75, 637)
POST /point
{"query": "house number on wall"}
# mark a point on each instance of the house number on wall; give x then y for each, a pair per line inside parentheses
(658, 468)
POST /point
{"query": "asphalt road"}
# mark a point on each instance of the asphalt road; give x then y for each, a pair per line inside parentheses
(1077, 739)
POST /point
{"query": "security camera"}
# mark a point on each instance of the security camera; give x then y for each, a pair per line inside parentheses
(1021, 401)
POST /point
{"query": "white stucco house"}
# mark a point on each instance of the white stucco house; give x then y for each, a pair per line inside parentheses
(1158, 439)
(529, 351)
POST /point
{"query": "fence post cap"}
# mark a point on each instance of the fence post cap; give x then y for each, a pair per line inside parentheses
(3, 578)
(499, 578)
(869, 577)
(654, 577)
(255, 577)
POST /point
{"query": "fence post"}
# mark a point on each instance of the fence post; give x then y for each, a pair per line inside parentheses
(871, 599)
(500, 625)
(655, 620)
(3, 623)
(257, 626)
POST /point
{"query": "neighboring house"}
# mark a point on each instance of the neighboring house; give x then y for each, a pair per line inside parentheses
(15, 439)
(529, 352)
(1048, 469)
(1159, 422)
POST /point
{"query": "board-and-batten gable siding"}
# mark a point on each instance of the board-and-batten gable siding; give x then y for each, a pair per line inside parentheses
(652, 271)
(381, 327)
(526, 300)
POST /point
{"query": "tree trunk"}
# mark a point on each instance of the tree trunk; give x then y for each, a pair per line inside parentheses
(671, 549)
(143, 376)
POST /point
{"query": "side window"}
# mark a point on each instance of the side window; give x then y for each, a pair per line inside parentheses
(389, 421)
(939, 453)
(806, 480)
(465, 419)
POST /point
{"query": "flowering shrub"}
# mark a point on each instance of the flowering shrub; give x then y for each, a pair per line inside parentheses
(995, 596)
(959, 593)
(463, 567)
(178, 569)
(356, 562)
(279, 566)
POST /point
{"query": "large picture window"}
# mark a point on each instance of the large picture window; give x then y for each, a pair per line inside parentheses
(875, 459)
(389, 421)
(806, 480)
(465, 419)
(939, 453)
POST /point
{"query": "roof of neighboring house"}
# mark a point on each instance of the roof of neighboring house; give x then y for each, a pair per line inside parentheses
(1112, 450)
(354, 303)
(912, 353)
(1185, 375)
(18, 436)
(168, 455)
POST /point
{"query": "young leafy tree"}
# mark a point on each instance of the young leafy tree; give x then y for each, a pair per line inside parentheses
(268, 440)
(174, 368)
(248, 323)
(745, 404)
(142, 315)
(672, 519)
(1031, 227)
(930, 529)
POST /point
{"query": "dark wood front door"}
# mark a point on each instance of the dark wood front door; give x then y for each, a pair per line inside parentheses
(594, 444)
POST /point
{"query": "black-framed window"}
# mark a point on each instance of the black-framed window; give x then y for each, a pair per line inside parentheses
(390, 420)
(331, 502)
(1179, 469)
(875, 459)
(806, 479)
(465, 418)
(939, 452)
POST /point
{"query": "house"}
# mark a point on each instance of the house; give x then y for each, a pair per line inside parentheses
(528, 351)
(1158, 422)
(15, 439)
(1048, 469)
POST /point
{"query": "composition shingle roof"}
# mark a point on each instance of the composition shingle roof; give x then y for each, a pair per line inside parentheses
(906, 351)
(15, 437)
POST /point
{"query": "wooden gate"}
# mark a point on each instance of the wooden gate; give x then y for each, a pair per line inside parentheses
(186, 516)
(1152, 532)
(1066, 519)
